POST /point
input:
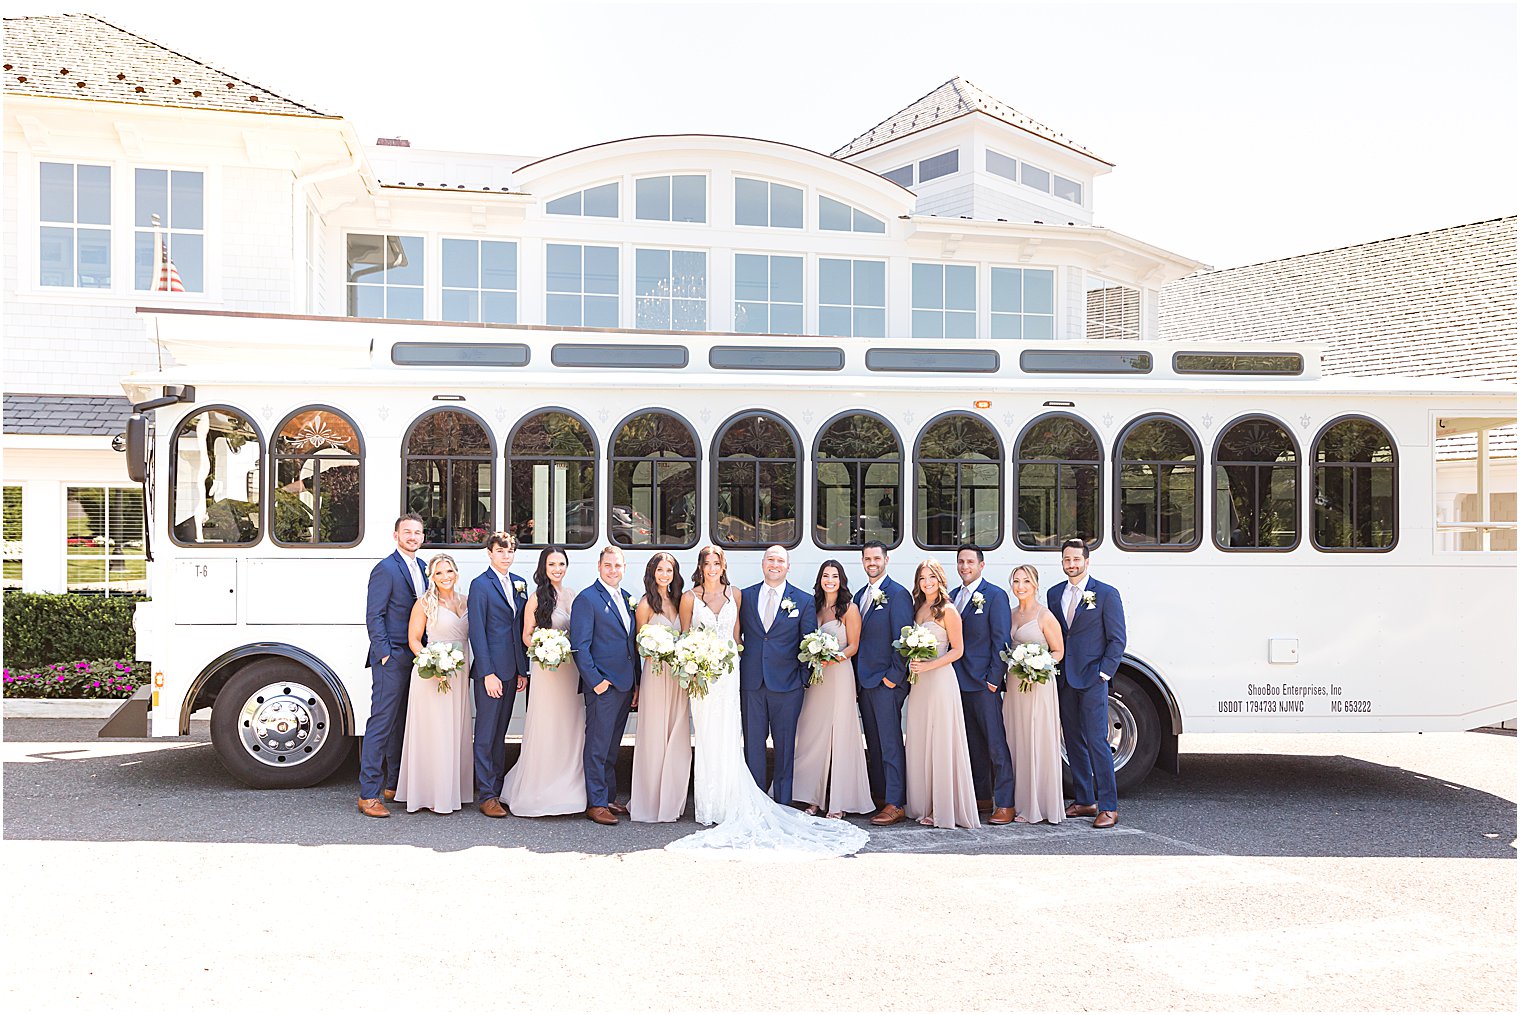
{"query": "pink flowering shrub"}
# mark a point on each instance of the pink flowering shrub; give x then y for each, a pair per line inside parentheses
(97, 678)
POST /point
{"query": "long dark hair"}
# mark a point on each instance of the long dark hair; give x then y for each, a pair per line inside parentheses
(547, 597)
(652, 587)
(696, 575)
(842, 598)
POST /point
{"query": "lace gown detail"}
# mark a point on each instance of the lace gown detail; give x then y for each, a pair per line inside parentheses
(1032, 720)
(437, 753)
(726, 795)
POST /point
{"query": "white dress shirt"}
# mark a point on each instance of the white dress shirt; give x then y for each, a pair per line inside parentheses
(415, 570)
(963, 596)
(620, 604)
(506, 586)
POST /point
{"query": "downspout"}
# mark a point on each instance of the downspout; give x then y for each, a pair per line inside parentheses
(300, 285)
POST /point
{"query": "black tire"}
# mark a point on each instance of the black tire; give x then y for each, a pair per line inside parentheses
(250, 713)
(1128, 705)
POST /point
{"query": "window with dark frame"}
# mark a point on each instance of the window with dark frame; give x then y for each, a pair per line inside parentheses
(317, 495)
(215, 478)
(551, 481)
(1356, 484)
(959, 469)
(654, 483)
(1058, 479)
(1255, 487)
(757, 469)
(1158, 500)
(448, 464)
(857, 483)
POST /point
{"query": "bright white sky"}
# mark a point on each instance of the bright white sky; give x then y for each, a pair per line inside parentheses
(1241, 132)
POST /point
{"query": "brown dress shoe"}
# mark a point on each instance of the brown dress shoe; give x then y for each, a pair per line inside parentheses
(1081, 810)
(617, 808)
(492, 808)
(389, 794)
(890, 815)
(1001, 816)
(601, 815)
(372, 808)
(984, 806)
(1106, 819)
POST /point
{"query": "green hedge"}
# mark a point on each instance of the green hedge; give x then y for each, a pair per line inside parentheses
(98, 678)
(43, 629)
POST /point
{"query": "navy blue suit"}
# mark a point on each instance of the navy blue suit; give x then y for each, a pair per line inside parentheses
(387, 614)
(1094, 646)
(881, 706)
(604, 650)
(496, 646)
(772, 679)
(985, 632)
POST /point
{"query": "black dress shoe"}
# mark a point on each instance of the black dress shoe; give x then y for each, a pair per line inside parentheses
(617, 808)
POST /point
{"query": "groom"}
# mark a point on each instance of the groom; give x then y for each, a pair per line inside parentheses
(1092, 623)
(602, 637)
(498, 665)
(885, 609)
(774, 617)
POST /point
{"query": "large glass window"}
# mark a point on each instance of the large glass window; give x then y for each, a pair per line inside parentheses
(593, 202)
(654, 482)
(767, 294)
(170, 220)
(582, 286)
(10, 521)
(1058, 477)
(215, 478)
(318, 491)
(1255, 487)
(670, 289)
(944, 301)
(959, 465)
(670, 199)
(936, 166)
(755, 487)
(1002, 165)
(758, 203)
(551, 493)
(852, 298)
(105, 553)
(448, 465)
(1023, 303)
(1356, 487)
(1113, 310)
(385, 276)
(480, 281)
(836, 216)
(1159, 501)
(74, 206)
(857, 483)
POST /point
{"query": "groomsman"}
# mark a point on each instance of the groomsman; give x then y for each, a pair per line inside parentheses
(395, 585)
(986, 627)
(1092, 622)
(602, 637)
(498, 665)
(774, 617)
(885, 609)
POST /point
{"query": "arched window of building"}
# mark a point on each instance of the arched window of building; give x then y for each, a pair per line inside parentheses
(959, 465)
(1158, 503)
(1058, 477)
(1356, 487)
(655, 489)
(1255, 486)
(857, 482)
(756, 472)
(448, 468)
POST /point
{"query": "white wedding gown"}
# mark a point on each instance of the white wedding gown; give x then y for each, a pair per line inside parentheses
(726, 795)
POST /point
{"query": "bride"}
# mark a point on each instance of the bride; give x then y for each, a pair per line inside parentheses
(726, 795)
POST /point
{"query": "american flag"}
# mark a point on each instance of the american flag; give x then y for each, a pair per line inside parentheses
(168, 275)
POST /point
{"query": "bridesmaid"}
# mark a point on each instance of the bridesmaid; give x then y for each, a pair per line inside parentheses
(662, 740)
(547, 778)
(830, 763)
(437, 753)
(940, 790)
(1032, 718)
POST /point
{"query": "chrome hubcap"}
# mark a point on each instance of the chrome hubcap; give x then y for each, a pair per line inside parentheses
(1122, 732)
(283, 724)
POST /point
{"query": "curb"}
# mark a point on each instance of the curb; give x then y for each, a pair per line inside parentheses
(61, 708)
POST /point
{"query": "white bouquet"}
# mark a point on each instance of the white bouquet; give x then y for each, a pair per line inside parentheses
(657, 643)
(819, 649)
(1031, 662)
(702, 656)
(440, 662)
(916, 642)
(549, 647)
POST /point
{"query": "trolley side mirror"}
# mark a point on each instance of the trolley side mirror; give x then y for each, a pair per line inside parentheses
(137, 447)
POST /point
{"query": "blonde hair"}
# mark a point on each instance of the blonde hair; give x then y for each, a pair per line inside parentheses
(430, 597)
(940, 601)
(1031, 571)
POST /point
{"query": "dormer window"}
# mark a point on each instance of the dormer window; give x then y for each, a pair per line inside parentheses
(758, 203)
(836, 216)
(939, 165)
(593, 202)
(1034, 177)
(902, 176)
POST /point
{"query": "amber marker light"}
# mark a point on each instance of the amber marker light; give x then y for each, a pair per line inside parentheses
(982, 403)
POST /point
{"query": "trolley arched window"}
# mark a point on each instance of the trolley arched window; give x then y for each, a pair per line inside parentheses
(959, 465)
(654, 482)
(317, 492)
(214, 479)
(857, 482)
(551, 487)
(756, 472)
(1255, 486)
(1158, 505)
(1058, 473)
(1356, 487)
(448, 461)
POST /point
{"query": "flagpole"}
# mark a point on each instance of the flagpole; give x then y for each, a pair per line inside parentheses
(158, 257)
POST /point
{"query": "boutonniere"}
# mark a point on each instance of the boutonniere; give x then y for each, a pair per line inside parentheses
(627, 601)
(789, 606)
(1090, 599)
(978, 600)
(879, 599)
(521, 587)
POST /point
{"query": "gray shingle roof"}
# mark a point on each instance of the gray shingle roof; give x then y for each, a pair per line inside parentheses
(1432, 304)
(82, 415)
(80, 56)
(954, 98)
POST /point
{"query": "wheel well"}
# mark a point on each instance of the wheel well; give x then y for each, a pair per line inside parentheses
(219, 671)
(1161, 696)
